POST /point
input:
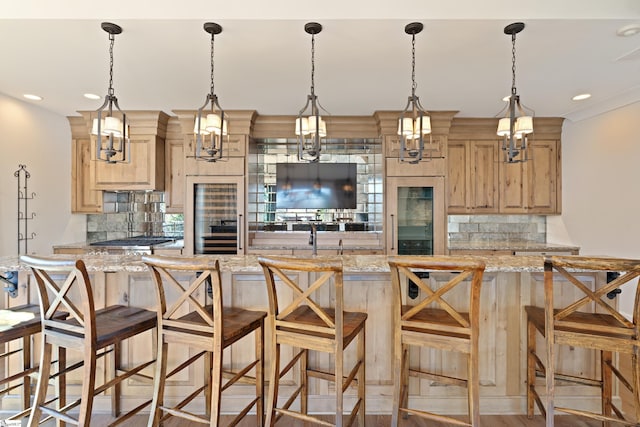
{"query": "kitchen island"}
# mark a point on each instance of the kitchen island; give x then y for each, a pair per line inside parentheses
(510, 282)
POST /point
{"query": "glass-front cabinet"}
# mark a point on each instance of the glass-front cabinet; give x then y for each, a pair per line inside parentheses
(215, 222)
(415, 216)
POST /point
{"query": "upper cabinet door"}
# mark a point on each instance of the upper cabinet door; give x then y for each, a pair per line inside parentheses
(144, 169)
(543, 178)
(472, 177)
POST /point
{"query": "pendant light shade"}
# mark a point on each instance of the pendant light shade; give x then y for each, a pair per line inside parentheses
(414, 121)
(211, 126)
(110, 127)
(310, 127)
(517, 123)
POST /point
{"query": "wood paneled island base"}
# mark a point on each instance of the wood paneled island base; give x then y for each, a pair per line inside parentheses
(510, 283)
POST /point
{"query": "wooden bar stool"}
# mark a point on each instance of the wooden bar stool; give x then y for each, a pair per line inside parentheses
(65, 285)
(587, 320)
(28, 325)
(436, 321)
(209, 327)
(303, 323)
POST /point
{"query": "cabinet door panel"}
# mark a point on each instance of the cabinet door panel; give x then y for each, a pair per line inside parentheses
(457, 178)
(145, 171)
(175, 184)
(84, 198)
(542, 176)
(484, 176)
(512, 188)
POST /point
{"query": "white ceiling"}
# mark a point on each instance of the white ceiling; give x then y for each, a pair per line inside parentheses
(363, 56)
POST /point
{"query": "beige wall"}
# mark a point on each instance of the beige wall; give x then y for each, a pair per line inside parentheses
(601, 186)
(41, 140)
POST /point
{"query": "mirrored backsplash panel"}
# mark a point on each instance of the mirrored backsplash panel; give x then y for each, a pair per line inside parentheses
(263, 213)
(133, 213)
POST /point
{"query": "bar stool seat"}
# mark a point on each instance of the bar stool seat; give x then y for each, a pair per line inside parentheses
(65, 284)
(207, 328)
(307, 324)
(580, 315)
(24, 330)
(445, 316)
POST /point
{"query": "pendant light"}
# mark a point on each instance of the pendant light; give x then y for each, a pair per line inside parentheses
(414, 122)
(311, 128)
(111, 127)
(517, 123)
(211, 124)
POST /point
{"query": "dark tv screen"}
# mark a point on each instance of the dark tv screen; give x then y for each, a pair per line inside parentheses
(316, 185)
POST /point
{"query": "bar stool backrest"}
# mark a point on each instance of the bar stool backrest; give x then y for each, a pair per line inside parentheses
(164, 270)
(569, 268)
(70, 292)
(329, 275)
(408, 268)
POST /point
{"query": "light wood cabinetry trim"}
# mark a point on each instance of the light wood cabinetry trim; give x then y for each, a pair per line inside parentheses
(283, 126)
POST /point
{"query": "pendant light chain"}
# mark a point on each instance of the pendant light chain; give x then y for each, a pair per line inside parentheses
(112, 39)
(212, 62)
(413, 66)
(513, 64)
(313, 63)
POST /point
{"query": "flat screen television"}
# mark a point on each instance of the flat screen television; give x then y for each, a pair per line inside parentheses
(316, 185)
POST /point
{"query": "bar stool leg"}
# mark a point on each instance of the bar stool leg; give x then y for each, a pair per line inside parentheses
(158, 393)
(117, 389)
(472, 387)
(606, 361)
(61, 383)
(362, 349)
(304, 382)
(272, 398)
(43, 380)
(339, 372)
(531, 367)
(216, 387)
(259, 348)
(404, 392)
(208, 366)
(635, 369)
(88, 386)
(26, 365)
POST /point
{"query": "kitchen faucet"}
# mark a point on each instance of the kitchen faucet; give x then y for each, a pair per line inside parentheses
(313, 239)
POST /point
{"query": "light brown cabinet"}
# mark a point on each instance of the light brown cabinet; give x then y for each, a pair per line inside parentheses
(472, 173)
(144, 171)
(533, 187)
(84, 198)
(174, 183)
(479, 181)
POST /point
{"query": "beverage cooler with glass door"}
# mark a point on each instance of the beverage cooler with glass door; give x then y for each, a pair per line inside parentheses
(415, 216)
(214, 215)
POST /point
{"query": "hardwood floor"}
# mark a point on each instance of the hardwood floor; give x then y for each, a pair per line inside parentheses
(382, 421)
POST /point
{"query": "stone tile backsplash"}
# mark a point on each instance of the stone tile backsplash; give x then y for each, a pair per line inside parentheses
(513, 228)
(127, 214)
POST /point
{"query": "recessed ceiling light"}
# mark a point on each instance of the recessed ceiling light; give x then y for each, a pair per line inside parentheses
(92, 96)
(32, 97)
(581, 96)
(628, 30)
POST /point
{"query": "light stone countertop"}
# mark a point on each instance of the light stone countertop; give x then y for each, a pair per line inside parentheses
(508, 245)
(249, 263)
